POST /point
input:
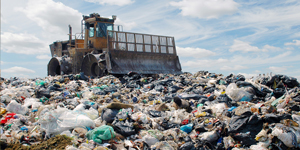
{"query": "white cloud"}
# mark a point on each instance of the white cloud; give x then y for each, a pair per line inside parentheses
(295, 42)
(126, 25)
(231, 68)
(278, 14)
(47, 57)
(246, 47)
(17, 69)
(243, 46)
(237, 62)
(53, 17)
(270, 48)
(194, 52)
(257, 71)
(206, 8)
(289, 48)
(277, 69)
(297, 34)
(22, 43)
(112, 2)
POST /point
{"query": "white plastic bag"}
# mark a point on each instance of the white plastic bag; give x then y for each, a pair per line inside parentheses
(33, 102)
(150, 140)
(72, 119)
(219, 108)
(209, 136)
(73, 101)
(91, 113)
(79, 107)
(140, 117)
(17, 108)
(287, 138)
(48, 119)
(237, 94)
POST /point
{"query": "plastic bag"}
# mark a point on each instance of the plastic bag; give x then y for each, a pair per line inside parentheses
(288, 138)
(6, 98)
(91, 113)
(262, 136)
(140, 117)
(150, 140)
(17, 108)
(108, 115)
(124, 128)
(237, 94)
(72, 119)
(187, 146)
(228, 142)
(48, 121)
(154, 113)
(101, 133)
(123, 114)
(73, 101)
(187, 128)
(219, 108)
(191, 96)
(80, 107)
(209, 136)
(33, 102)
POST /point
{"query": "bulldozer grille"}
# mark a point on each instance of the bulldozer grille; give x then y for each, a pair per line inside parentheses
(136, 42)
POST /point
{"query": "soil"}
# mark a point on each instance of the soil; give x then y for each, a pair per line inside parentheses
(58, 142)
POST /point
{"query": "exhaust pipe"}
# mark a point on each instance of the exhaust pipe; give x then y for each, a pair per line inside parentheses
(91, 65)
(59, 66)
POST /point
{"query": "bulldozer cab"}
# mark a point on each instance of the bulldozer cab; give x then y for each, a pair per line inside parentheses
(96, 31)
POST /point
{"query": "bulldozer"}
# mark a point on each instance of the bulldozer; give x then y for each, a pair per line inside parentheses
(102, 48)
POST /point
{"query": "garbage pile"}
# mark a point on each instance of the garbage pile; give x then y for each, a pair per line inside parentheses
(187, 111)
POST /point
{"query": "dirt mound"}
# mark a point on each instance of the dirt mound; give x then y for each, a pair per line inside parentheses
(59, 143)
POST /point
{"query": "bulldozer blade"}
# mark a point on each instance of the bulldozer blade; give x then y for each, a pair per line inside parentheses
(122, 62)
(90, 65)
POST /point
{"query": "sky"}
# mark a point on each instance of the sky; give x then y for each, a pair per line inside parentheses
(248, 37)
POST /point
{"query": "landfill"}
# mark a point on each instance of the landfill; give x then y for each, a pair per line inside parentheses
(205, 111)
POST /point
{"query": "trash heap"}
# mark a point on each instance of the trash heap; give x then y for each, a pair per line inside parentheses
(187, 111)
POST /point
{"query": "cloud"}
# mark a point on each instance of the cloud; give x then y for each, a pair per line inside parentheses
(47, 57)
(17, 69)
(194, 52)
(295, 42)
(206, 8)
(22, 43)
(236, 62)
(243, 47)
(231, 68)
(246, 47)
(270, 48)
(53, 17)
(289, 48)
(257, 71)
(112, 2)
(277, 69)
(126, 25)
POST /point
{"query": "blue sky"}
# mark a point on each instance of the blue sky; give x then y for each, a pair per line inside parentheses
(220, 36)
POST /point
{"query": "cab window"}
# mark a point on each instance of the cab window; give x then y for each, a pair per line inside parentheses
(102, 28)
(91, 30)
